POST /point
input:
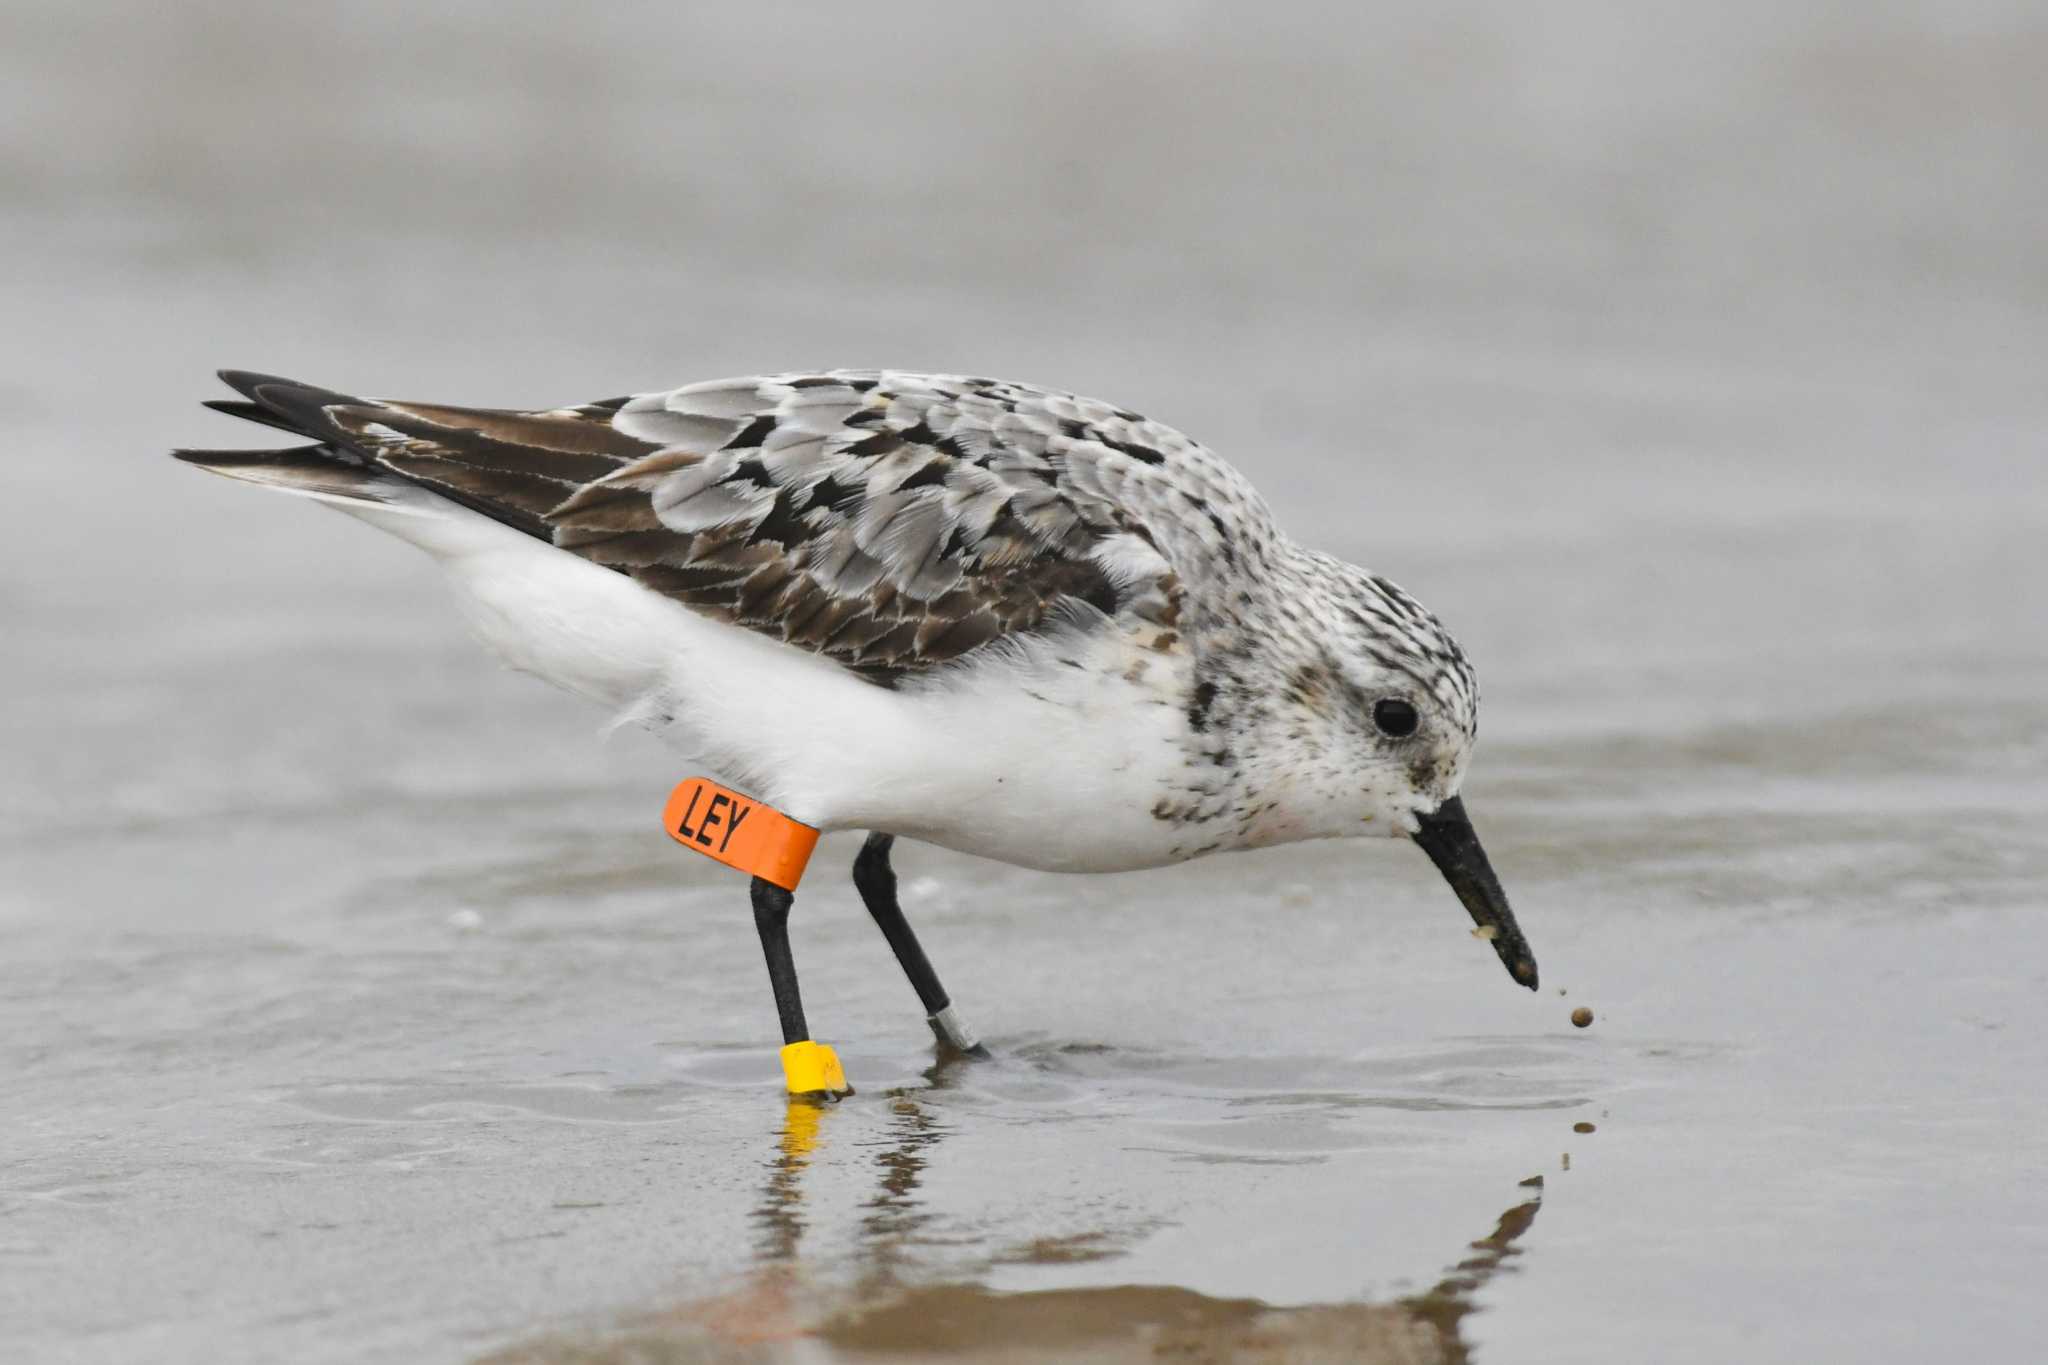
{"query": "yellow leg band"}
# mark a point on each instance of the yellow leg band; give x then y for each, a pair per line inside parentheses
(811, 1068)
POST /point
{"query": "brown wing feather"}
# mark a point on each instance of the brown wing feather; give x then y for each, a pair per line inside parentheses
(891, 522)
(855, 515)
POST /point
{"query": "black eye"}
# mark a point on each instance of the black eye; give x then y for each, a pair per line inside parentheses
(1394, 717)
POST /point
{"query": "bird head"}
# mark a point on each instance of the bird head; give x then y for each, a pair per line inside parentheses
(1391, 701)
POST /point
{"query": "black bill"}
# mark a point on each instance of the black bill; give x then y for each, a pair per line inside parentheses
(1453, 845)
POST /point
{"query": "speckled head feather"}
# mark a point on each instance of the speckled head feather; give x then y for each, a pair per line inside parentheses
(1404, 637)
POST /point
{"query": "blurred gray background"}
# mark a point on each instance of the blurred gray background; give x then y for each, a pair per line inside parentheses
(1688, 359)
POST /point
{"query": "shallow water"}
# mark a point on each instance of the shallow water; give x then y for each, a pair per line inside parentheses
(352, 1006)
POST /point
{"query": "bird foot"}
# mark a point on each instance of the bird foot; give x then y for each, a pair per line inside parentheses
(811, 1070)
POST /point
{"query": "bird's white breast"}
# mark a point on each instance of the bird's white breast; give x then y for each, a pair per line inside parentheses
(1048, 753)
(1053, 755)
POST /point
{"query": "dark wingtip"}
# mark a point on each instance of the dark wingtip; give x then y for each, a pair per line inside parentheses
(246, 382)
(284, 403)
(235, 459)
(252, 412)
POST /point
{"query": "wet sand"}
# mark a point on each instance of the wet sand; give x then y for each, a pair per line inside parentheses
(353, 1006)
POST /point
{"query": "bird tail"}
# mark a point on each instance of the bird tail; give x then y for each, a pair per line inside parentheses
(328, 469)
(309, 471)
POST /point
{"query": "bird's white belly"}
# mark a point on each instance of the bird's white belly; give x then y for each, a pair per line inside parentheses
(1052, 756)
(1052, 753)
(1061, 770)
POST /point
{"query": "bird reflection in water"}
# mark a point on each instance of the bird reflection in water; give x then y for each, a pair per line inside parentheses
(889, 1219)
(780, 1212)
(787, 1310)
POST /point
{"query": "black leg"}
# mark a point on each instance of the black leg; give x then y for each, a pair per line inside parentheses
(877, 883)
(771, 918)
(811, 1070)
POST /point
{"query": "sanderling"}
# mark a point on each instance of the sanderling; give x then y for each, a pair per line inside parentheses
(999, 618)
